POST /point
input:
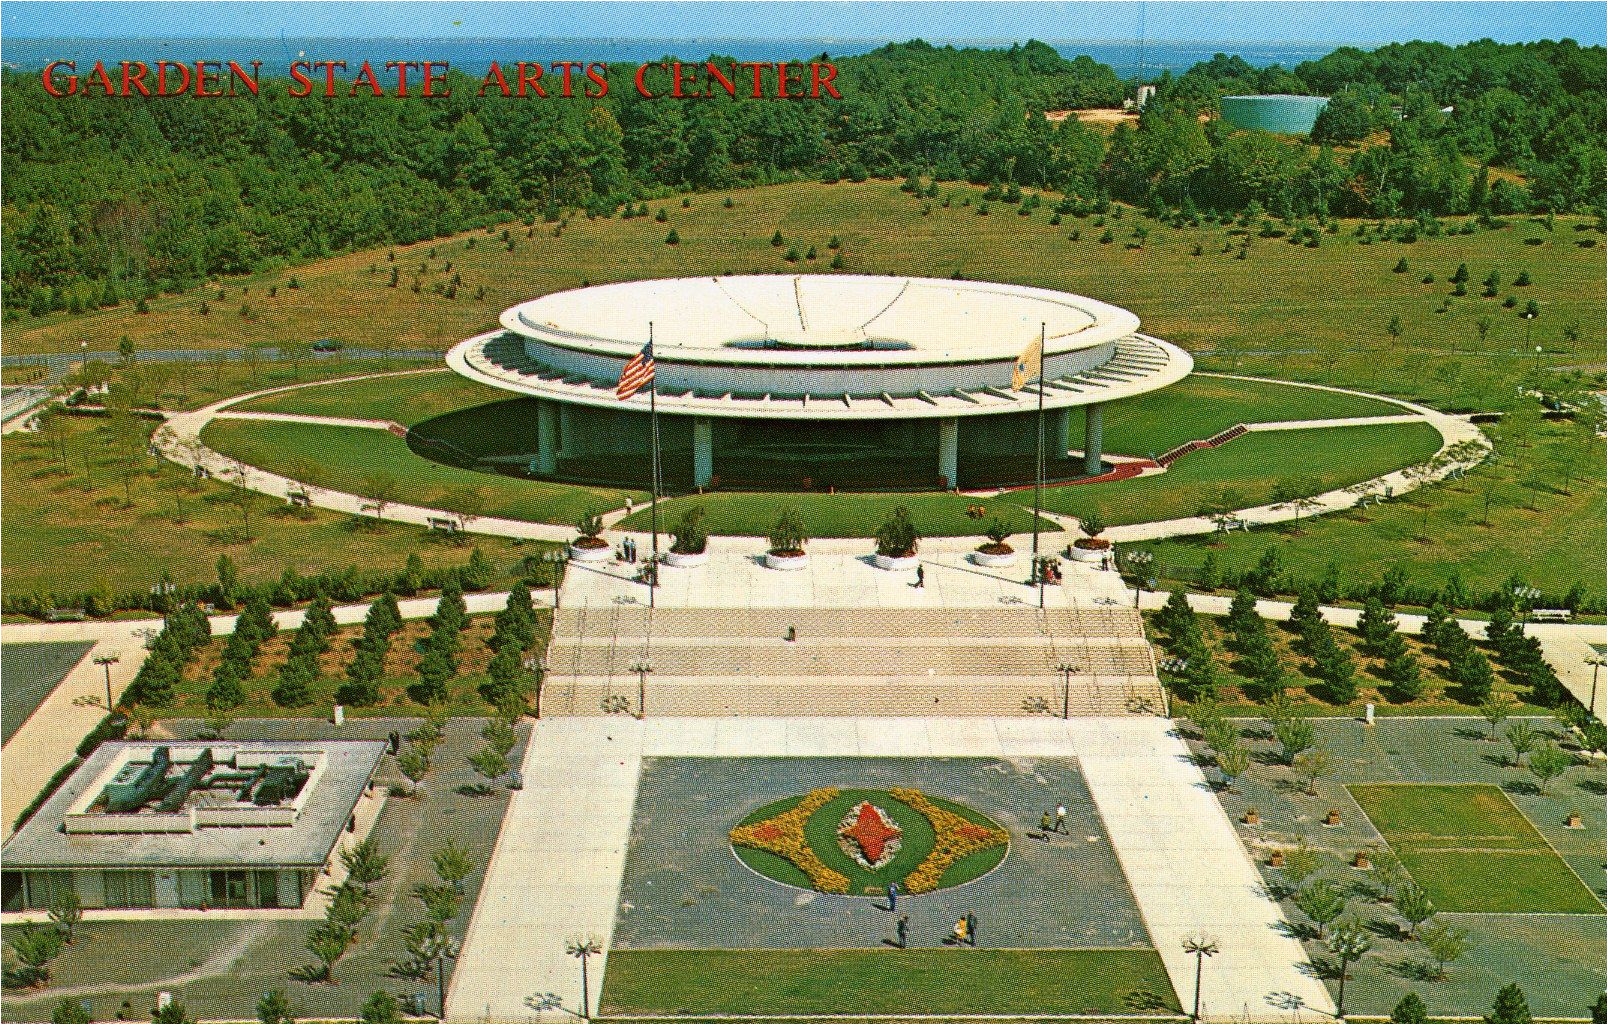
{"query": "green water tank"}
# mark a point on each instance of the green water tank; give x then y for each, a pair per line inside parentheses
(1290, 115)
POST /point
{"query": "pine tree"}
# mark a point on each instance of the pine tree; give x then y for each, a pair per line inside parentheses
(1242, 611)
(1410, 1010)
(1305, 611)
(1375, 624)
(1510, 1007)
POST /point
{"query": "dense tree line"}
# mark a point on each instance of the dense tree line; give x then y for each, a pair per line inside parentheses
(109, 200)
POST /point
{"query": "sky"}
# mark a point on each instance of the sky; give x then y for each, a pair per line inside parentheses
(1246, 21)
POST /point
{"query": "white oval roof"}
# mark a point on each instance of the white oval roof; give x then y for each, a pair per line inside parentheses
(816, 319)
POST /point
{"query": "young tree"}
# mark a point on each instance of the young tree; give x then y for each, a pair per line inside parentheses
(414, 766)
(1548, 763)
(1295, 734)
(35, 949)
(1312, 766)
(328, 942)
(1523, 739)
(1445, 944)
(1494, 709)
(175, 1013)
(490, 764)
(381, 1007)
(499, 735)
(453, 865)
(1232, 761)
(365, 865)
(1510, 1007)
(67, 911)
(71, 1012)
(274, 1008)
(1413, 904)
(1322, 901)
(1410, 1010)
(440, 902)
(1242, 617)
(1375, 624)
(1406, 682)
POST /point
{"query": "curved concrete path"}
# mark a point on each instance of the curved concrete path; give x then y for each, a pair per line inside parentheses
(179, 440)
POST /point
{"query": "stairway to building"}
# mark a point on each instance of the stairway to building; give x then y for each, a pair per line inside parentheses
(1011, 660)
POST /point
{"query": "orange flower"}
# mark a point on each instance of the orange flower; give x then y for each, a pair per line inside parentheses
(954, 838)
(783, 835)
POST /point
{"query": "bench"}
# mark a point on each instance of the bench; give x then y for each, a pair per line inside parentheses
(64, 616)
(1551, 616)
(442, 523)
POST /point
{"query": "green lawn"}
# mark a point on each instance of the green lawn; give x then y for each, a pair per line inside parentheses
(1250, 466)
(1548, 530)
(347, 458)
(752, 513)
(1472, 850)
(69, 528)
(405, 400)
(751, 984)
(1198, 407)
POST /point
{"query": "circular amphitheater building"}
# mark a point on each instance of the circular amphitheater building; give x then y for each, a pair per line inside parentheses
(807, 382)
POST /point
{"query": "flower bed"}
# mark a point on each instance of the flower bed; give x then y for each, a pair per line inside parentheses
(957, 837)
(783, 836)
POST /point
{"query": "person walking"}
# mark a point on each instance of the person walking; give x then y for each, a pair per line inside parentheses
(902, 928)
(893, 896)
(1044, 824)
(921, 576)
(971, 928)
(1060, 820)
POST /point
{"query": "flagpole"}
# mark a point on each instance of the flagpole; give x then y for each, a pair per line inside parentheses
(1038, 476)
(653, 414)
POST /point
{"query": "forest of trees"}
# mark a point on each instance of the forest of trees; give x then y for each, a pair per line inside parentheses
(109, 200)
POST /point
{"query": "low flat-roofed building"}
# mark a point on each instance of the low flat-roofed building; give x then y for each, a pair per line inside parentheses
(224, 824)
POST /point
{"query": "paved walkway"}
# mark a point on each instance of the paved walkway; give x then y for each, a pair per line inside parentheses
(551, 880)
(180, 441)
(305, 418)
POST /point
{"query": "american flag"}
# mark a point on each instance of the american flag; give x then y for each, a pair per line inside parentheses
(637, 373)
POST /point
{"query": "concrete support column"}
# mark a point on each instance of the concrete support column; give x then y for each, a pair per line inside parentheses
(1092, 426)
(703, 451)
(949, 450)
(1060, 439)
(566, 432)
(546, 436)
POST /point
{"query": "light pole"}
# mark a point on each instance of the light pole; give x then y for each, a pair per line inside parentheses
(1529, 318)
(1066, 669)
(533, 664)
(1138, 564)
(106, 662)
(642, 669)
(557, 558)
(1525, 596)
(1348, 943)
(584, 949)
(1596, 662)
(1202, 947)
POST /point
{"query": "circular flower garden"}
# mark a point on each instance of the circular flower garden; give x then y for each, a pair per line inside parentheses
(857, 842)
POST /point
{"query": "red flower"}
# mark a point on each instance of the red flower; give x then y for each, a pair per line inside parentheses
(870, 833)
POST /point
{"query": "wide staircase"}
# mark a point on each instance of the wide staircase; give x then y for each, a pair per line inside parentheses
(614, 659)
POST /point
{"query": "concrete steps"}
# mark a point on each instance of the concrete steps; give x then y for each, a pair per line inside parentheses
(857, 662)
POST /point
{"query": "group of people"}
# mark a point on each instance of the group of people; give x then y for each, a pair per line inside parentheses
(1057, 824)
(628, 550)
(963, 934)
(1049, 570)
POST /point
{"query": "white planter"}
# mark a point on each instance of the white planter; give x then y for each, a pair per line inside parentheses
(994, 561)
(686, 560)
(601, 554)
(1094, 555)
(896, 563)
(786, 562)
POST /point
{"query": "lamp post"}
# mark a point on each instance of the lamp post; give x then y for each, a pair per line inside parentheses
(1066, 669)
(1138, 564)
(584, 949)
(1529, 318)
(642, 669)
(1348, 943)
(106, 662)
(1596, 662)
(557, 558)
(1525, 596)
(1202, 947)
(533, 664)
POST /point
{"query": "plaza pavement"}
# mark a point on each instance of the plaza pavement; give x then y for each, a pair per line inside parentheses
(556, 872)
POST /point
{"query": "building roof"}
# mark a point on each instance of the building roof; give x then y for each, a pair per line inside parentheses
(344, 770)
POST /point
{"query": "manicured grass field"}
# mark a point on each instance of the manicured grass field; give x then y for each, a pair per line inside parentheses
(405, 400)
(1549, 533)
(752, 513)
(750, 984)
(1473, 851)
(68, 529)
(344, 458)
(31, 672)
(1250, 466)
(1198, 407)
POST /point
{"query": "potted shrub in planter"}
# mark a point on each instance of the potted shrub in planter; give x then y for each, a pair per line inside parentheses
(1093, 548)
(787, 542)
(589, 547)
(897, 541)
(997, 552)
(691, 540)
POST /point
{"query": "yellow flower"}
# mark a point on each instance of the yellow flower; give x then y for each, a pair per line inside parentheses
(783, 835)
(954, 838)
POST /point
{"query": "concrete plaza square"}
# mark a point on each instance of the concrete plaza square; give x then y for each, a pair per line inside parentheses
(684, 887)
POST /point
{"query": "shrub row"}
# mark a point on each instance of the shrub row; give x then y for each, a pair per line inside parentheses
(362, 686)
(186, 630)
(296, 676)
